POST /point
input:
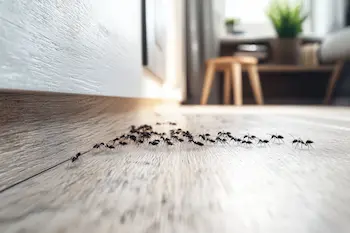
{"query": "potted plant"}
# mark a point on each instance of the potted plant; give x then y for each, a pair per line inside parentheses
(230, 22)
(287, 21)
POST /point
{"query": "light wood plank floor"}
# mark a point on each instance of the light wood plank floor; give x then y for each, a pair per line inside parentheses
(186, 188)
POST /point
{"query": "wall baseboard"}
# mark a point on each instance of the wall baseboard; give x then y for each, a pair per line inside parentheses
(40, 130)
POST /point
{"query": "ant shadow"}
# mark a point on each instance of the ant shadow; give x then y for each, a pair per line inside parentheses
(303, 148)
(73, 166)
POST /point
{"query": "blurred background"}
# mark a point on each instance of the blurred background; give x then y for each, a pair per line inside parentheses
(298, 75)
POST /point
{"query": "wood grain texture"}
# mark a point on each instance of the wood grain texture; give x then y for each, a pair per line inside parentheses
(217, 188)
(39, 130)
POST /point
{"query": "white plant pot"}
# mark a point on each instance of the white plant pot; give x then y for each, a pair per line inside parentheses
(229, 28)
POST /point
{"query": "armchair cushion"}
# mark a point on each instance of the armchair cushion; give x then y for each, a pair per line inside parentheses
(335, 47)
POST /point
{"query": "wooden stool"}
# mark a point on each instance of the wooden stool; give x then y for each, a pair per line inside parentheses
(232, 66)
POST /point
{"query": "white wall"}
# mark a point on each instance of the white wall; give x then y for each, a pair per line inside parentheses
(86, 47)
(325, 16)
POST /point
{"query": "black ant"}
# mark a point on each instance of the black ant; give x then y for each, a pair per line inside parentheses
(249, 137)
(76, 157)
(264, 142)
(140, 141)
(133, 129)
(169, 143)
(198, 143)
(98, 145)
(202, 136)
(307, 143)
(123, 143)
(228, 134)
(222, 140)
(247, 142)
(211, 140)
(132, 137)
(278, 137)
(115, 139)
(172, 123)
(110, 147)
(158, 123)
(154, 143)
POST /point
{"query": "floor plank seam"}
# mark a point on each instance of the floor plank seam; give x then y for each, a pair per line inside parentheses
(32, 176)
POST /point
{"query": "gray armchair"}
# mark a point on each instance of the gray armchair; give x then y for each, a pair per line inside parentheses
(335, 49)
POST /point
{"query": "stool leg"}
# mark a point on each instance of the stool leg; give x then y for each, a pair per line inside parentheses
(255, 83)
(237, 83)
(332, 82)
(208, 80)
(227, 86)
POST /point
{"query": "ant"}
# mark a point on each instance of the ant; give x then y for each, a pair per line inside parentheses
(202, 136)
(98, 145)
(247, 142)
(140, 141)
(301, 142)
(169, 143)
(133, 129)
(132, 137)
(154, 143)
(222, 140)
(263, 142)
(276, 136)
(110, 147)
(249, 137)
(224, 133)
(123, 143)
(308, 143)
(76, 157)
(210, 140)
(198, 143)
(172, 123)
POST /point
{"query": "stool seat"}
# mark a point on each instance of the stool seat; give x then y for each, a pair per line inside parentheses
(243, 60)
(232, 68)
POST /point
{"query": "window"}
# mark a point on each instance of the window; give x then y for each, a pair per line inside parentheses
(324, 16)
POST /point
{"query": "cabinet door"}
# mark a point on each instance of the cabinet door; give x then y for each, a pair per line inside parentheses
(155, 36)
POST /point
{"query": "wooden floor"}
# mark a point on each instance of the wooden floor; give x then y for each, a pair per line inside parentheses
(186, 188)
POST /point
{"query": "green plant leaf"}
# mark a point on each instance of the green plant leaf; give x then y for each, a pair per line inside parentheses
(286, 19)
